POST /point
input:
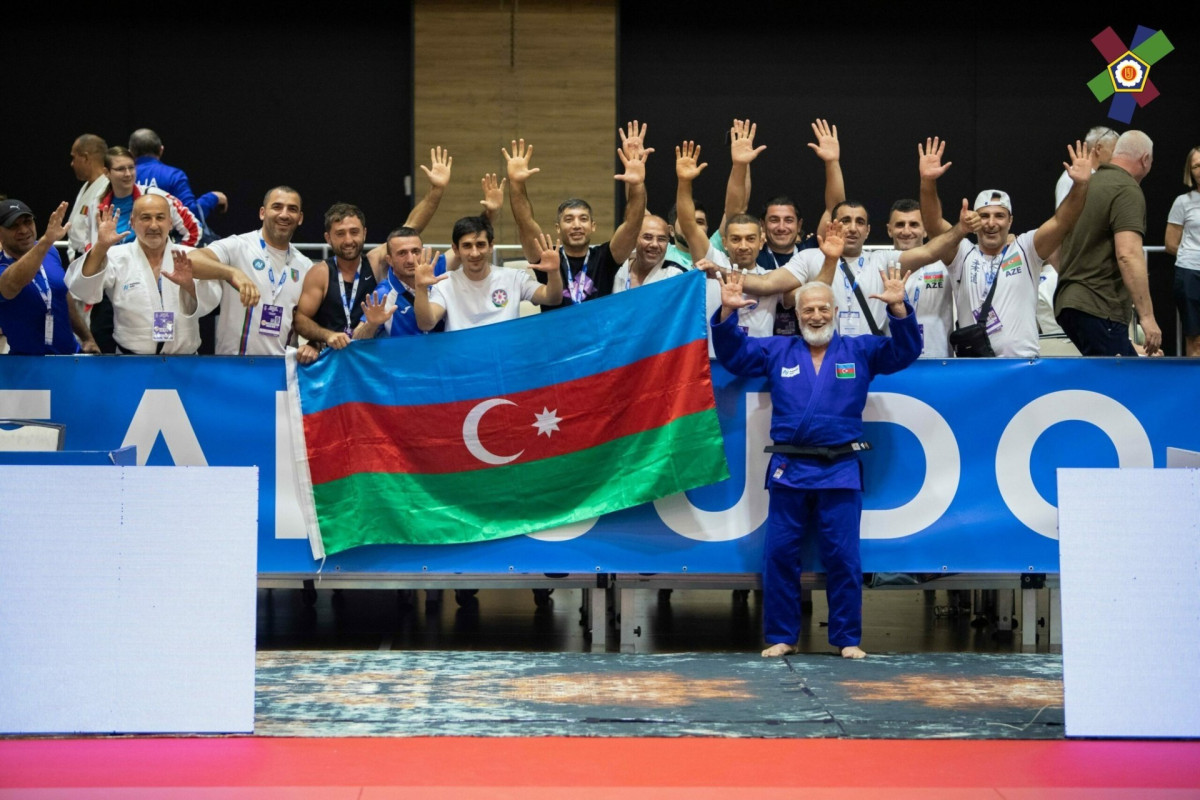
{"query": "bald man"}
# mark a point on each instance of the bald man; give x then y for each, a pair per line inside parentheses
(157, 303)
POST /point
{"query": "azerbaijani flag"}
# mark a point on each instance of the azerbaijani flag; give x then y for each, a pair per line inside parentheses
(510, 428)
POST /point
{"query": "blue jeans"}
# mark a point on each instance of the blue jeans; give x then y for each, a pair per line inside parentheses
(1095, 336)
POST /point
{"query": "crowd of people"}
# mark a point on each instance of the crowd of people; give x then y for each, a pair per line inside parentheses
(780, 302)
(1082, 271)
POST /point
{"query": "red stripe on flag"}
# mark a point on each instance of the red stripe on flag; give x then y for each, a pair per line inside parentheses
(1109, 44)
(362, 437)
(1148, 93)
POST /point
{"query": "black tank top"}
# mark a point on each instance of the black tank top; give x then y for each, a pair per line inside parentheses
(332, 315)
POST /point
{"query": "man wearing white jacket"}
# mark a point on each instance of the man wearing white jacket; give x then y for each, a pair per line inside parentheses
(150, 315)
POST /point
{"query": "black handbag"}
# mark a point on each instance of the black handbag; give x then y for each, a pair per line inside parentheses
(972, 341)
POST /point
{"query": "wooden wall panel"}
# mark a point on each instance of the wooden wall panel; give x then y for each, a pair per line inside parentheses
(486, 73)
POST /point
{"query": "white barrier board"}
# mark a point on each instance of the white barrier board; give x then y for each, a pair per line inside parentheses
(127, 599)
(1129, 544)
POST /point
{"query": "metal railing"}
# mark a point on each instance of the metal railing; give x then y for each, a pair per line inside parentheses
(319, 251)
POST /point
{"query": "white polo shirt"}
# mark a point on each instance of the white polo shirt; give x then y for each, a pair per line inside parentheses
(279, 276)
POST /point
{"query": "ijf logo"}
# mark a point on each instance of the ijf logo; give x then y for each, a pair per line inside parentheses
(499, 298)
(1127, 77)
(259, 264)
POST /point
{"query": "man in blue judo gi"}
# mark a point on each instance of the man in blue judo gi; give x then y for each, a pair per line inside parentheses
(818, 383)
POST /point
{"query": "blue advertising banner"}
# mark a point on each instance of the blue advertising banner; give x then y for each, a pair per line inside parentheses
(961, 477)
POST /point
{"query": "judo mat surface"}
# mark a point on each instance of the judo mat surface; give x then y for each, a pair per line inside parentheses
(423, 693)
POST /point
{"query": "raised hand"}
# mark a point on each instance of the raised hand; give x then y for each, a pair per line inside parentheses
(893, 285)
(833, 239)
(741, 142)
(438, 170)
(182, 264)
(548, 261)
(377, 312)
(635, 167)
(1080, 166)
(106, 230)
(55, 229)
(731, 291)
(518, 169)
(493, 193)
(929, 161)
(633, 142)
(969, 221)
(423, 278)
(827, 146)
(686, 157)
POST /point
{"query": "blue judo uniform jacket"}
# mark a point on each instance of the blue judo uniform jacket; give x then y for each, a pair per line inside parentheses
(816, 410)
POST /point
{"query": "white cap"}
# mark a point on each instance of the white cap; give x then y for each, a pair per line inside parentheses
(993, 197)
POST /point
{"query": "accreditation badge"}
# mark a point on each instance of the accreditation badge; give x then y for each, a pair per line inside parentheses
(270, 322)
(164, 326)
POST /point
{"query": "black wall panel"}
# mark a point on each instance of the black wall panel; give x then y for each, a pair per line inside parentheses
(1005, 87)
(244, 99)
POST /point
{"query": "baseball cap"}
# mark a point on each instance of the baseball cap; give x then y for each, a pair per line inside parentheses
(993, 197)
(11, 211)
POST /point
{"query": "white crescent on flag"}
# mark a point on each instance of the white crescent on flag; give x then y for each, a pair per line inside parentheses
(470, 432)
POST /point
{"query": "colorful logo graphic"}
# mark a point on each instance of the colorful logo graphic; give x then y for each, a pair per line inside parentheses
(844, 371)
(1127, 78)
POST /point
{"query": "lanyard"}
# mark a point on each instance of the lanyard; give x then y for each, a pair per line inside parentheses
(849, 274)
(576, 292)
(47, 298)
(347, 300)
(275, 287)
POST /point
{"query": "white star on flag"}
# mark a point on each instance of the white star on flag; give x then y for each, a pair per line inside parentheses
(547, 421)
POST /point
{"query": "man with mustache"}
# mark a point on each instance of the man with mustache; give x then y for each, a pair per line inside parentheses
(649, 262)
(818, 383)
(1014, 267)
(36, 314)
(150, 315)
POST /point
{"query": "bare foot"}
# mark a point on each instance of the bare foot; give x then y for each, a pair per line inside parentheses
(853, 652)
(781, 649)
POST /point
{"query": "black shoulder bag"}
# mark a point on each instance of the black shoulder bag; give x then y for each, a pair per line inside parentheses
(972, 341)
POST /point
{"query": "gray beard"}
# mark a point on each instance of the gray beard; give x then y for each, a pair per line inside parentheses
(818, 338)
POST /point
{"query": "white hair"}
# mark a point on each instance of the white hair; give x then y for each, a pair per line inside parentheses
(810, 287)
(1133, 145)
(1099, 134)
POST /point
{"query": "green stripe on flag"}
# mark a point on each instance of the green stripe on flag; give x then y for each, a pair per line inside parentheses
(1102, 86)
(484, 504)
(1154, 48)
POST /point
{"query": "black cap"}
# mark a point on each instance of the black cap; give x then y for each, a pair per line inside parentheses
(11, 211)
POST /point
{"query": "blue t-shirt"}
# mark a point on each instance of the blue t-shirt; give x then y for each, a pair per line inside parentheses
(125, 206)
(404, 319)
(23, 318)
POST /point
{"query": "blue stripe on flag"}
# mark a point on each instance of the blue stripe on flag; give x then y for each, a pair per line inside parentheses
(509, 357)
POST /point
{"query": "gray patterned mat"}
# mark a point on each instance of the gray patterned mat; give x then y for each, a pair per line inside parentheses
(422, 693)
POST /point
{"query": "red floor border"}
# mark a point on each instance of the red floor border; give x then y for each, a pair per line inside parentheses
(249, 761)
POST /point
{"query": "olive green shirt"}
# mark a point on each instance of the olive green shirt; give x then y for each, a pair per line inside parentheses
(1089, 278)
